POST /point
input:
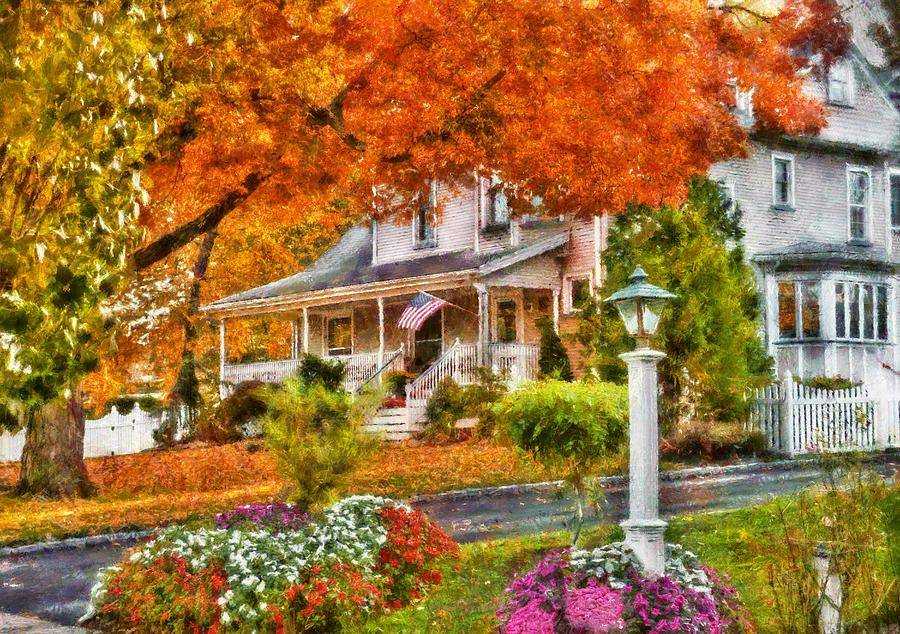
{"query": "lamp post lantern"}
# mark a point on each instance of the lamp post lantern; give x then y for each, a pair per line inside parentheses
(640, 305)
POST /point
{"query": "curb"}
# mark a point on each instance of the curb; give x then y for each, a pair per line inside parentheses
(73, 543)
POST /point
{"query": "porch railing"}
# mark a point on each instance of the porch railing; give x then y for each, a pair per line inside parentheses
(516, 361)
(394, 362)
(458, 363)
(359, 368)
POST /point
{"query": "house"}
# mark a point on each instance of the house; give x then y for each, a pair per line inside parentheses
(499, 275)
(822, 220)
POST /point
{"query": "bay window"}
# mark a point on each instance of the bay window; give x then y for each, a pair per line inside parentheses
(861, 311)
(798, 310)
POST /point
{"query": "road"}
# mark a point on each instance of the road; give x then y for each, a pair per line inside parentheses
(55, 586)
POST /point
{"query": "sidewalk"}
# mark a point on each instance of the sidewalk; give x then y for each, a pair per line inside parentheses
(11, 623)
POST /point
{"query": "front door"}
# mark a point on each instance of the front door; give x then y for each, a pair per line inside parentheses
(429, 341)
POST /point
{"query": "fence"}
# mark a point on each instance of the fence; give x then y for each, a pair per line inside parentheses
(114, 434)
(796, 418)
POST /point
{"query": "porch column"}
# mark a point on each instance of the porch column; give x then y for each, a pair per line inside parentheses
(380, 333)
(295, 339)
(222, 358)
(556, 310)
(482, 321)
(305, 330)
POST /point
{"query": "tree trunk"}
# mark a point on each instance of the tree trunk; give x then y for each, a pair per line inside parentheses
(53, 457)
(187, 387)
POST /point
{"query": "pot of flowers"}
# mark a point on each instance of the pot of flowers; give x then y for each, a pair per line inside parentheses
(395, 383)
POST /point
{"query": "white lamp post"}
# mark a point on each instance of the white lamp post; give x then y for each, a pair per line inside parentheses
(641, 304)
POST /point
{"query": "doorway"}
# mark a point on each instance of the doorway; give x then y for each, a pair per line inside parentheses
(429, 341)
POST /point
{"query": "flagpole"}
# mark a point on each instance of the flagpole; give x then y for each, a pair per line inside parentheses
(465, 310)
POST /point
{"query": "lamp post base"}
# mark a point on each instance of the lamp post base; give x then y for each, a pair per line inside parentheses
(646, 539)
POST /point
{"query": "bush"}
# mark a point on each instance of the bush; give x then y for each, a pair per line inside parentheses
(451, 402)
(395, 382)
(316, 436)
(323, 577)
(316, 369)
(553, 360)
(714, 440)
(567, 427)
(245, 404)
(603, 591)
(832, 383)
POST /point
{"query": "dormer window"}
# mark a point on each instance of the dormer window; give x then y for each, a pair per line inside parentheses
(841, 84)
(424, 220)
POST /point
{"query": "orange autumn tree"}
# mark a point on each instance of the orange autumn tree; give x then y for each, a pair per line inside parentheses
(591, 105)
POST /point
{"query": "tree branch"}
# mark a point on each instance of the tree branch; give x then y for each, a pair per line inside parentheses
(204, 223)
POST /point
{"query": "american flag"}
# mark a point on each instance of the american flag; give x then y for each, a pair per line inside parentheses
(418, 310)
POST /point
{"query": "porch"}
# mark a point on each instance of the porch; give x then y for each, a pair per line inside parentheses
(481, 325)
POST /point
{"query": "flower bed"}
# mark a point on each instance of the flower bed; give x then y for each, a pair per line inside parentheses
(275, 517)
(603, 591)
(366, 555)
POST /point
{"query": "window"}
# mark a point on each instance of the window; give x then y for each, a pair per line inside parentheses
(783, 181)
(340, 336)
(840, 84)
(858, 202)
(895, 201)
(506, 321)
(497, 205)
(798, 310)
(726, 195)
(581, 293)
(423, 223)
(743, 104)
(861, 311)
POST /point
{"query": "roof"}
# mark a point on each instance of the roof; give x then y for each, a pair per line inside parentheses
(825, 253)
(349, 263)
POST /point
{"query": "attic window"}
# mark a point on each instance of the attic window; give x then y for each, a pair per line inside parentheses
(498, 205)
(840, 84)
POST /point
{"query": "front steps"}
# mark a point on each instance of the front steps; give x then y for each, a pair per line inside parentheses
(394, 423)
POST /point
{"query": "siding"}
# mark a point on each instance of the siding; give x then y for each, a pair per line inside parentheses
(537, 272)
(820, 213)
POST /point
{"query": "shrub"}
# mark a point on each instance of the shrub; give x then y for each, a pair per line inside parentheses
(315, 369)
(603, 591)
(446, 406)
(246, 403)
(714, 440)
(451, 402)
(319, 578)
(553, 360)
(567, 427)
(316, 437)
(274, 517)
(395, 382)
(832, 383)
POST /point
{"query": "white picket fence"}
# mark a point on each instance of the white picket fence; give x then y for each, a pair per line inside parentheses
(797, 419)
(112, 435)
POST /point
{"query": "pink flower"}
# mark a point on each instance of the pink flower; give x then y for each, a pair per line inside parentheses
(596, 609)
(530, 619)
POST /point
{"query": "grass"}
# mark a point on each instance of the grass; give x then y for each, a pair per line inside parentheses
(735, 542)
(157, 488)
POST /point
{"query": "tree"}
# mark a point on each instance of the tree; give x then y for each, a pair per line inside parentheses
(553, 360)
(80, 117)
(709, 332)
(567, 426)
(888, 34)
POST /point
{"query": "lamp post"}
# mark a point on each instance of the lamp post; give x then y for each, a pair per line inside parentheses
(640, 305)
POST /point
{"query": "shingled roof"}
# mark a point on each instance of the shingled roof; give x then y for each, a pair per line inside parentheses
(349, 263)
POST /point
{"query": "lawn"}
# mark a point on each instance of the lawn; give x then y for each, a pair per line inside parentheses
(161, 487)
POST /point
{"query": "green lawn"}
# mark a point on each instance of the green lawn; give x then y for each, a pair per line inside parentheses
(737, 543)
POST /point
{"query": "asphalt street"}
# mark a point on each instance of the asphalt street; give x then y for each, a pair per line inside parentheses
(56, 585)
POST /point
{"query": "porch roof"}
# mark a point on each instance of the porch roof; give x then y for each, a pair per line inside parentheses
(348, 264)
(834, 255)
